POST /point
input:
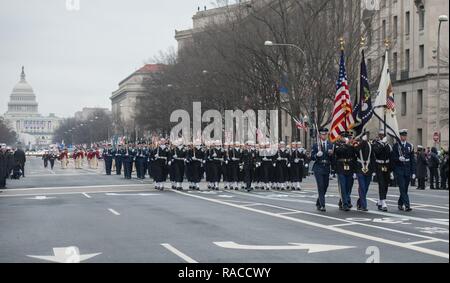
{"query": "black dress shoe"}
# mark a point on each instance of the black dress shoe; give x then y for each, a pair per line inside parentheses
(346, 209)
(408, 209)
(385, 209)
(323, 209)
(400, 207)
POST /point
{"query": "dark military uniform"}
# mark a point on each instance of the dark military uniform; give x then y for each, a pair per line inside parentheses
(297, 162)
(281, 169)
(127, 160)
(364, 170)
(265, 158)
(159, 169)
(194, 167)
(233, 170)
(383, 168)
(248, 162)
(404, 168)
(421, 169)
(322, 169)
(213, 161)
(108, 158)
(433, 163)
(118, 158)
(178, 157)
(344, 162)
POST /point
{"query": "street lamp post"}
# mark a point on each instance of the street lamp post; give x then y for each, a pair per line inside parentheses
(311, 111)
(442, 18)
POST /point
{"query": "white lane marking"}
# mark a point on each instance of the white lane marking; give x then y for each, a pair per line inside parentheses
(225, 196)
(422, 204)
(69, 193)
(421, 242)
(345, 224)
(141, 195)
(289, 213)
(76, 187)
(312, 248)
(429, 210)
(326, 227)
(179, 254)
(86, 195)
(369, 212)
(113, 211)
(41, 198)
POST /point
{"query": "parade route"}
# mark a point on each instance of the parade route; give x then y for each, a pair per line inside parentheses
(50, 216)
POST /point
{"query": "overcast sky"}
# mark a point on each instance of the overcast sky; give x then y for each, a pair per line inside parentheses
(75, 59)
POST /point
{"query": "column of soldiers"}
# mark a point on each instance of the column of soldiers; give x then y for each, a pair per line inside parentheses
(240, 166)
(362, 160)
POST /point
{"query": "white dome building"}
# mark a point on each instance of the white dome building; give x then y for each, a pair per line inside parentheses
(32, 128)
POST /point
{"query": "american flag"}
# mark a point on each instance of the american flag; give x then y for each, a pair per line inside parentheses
(300, 124)
(342, 114)
(390, 102)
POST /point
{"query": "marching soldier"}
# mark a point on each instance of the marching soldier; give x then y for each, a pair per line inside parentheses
(364, 170)
(404, 168)
(178, 159)
(141, 160)
(52, 157)
(248, 163)
(108, 154)
(64, 158)
(322, 155)
(383, 168)
(297, 162)
(159, 164)
(118, 157)
(233, 170)
(265, 158)
(45, 157)
(345, 158)
(194, 166)
(281, 167)
(421, 167)
(213, 163)
(127, 161)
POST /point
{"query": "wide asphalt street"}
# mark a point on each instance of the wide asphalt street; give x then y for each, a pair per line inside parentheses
(83, 215)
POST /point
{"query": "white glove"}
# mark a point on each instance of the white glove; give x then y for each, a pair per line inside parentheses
(289, 165)
(374, 174)
(274, 165)
(169, 163)
(204, 161)
(320, 154)
(385, 140)
(392, 176)
(226, 162)
(279, 158)
(414, 176)
(354, 176)
(402, 159)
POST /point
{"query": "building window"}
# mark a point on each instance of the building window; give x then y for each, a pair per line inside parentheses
(407, 60)
(407, 23)
(394, 62)
(419, 137)
(419, 101)
(421, 18)
(421, 56)
(395, 27)
(404, 111)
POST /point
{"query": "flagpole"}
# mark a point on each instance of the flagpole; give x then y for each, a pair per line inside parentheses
(386, 44)
(342, 44)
